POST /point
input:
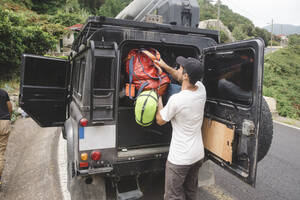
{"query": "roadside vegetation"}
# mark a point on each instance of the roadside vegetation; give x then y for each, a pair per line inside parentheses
(281, 78)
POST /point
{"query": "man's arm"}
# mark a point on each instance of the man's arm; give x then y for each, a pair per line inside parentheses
(159, 119)
(9, 106)
(170, 70)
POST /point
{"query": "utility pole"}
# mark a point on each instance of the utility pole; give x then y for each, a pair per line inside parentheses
(219, 23)
(272, 33)
(219, 9)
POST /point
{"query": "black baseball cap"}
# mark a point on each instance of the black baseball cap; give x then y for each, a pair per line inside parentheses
(193, 67)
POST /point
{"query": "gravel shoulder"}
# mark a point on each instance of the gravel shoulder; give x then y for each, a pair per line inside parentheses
(31, 167)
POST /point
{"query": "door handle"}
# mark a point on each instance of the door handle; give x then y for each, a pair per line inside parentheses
(39, 95)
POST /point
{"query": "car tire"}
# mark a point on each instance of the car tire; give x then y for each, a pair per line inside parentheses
(265, 135)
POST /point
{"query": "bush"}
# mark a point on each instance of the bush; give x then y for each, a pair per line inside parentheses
(18, 36)
(238, 33)
(68, 19)
(281, 80)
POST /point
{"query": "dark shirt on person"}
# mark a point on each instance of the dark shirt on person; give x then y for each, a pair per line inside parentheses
(4, 98)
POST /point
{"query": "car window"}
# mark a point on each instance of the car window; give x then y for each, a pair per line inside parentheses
(75, 74)
(229, 76)
(102, 76)
(81, 76)
(45, 72)
(78, 75)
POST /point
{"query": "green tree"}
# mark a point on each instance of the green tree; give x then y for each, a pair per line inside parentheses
(67, 19)
(294, 40)
(91, 5)
(47, 6)
(238, 33)
(112, 7)
(262, 33)
(18, 36)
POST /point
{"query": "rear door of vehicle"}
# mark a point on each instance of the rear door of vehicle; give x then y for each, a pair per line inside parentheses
(44, 89)
(233, 80)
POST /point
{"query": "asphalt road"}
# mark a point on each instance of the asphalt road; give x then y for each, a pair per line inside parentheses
(270, 50)
(31, 169)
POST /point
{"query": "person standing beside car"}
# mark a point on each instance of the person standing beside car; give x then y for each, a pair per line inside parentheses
(5, 114)
(185, 110)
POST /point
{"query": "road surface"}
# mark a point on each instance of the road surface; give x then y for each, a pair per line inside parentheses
(271, 49)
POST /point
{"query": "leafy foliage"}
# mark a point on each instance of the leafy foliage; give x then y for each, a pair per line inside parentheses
(67, 19)
(91, 5)
(18, 35)
(47, 6)
(294, 40)
(112, 7)
(281, 79)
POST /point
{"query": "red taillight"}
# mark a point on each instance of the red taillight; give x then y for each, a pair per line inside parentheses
(83, 164)
(96, 155)
(83, 122)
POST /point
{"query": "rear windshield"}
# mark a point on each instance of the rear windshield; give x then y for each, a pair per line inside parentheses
(229, 76)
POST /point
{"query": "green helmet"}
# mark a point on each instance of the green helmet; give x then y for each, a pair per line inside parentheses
(145, 107)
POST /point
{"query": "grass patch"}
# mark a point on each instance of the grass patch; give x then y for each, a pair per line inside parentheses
(281, 80)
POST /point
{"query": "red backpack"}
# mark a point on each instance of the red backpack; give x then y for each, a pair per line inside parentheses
(143, 73)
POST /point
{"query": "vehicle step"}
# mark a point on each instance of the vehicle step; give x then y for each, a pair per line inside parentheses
(130, 195)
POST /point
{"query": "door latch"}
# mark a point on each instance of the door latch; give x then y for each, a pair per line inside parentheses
(248, 128)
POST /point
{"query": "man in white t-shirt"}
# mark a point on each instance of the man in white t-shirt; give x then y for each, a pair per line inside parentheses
(185, 110)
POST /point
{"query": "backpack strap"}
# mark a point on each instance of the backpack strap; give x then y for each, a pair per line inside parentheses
(131, 72)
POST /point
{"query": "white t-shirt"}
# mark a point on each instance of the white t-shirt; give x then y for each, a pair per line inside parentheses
(185, 110)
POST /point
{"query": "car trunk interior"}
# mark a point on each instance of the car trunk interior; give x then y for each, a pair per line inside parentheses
(134, 139)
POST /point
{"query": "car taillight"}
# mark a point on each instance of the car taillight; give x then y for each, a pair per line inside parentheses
(84, 156)
(96, 155)
(83, 122)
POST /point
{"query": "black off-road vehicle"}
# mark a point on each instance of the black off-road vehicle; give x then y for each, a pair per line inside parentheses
(85, 96)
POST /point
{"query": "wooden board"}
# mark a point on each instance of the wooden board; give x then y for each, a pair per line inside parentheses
(217, 138)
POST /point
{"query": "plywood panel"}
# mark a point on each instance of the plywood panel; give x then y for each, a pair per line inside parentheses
(217, 138)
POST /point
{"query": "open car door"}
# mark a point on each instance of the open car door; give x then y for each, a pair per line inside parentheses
(44, 89)
(233, 80)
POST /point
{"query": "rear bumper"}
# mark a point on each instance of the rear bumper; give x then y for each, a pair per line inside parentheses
(102, 170)
(128, 168)
(140, 166)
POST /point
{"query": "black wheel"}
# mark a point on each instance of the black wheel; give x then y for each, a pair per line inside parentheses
(266, 131)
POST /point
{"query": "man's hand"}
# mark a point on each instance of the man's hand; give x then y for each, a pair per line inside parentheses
(174, 73)
(159, 119)
(161, 63)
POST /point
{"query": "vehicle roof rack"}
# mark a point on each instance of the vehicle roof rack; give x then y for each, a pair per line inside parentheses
(94, 23)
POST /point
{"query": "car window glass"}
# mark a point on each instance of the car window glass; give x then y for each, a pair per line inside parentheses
(45, 72)
(102, 75)
(75, 75)
(229, 76)
(81, 76)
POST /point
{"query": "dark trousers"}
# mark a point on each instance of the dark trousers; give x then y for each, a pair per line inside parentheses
(181, 181)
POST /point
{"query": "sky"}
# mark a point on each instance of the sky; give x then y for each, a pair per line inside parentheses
(261, 12)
